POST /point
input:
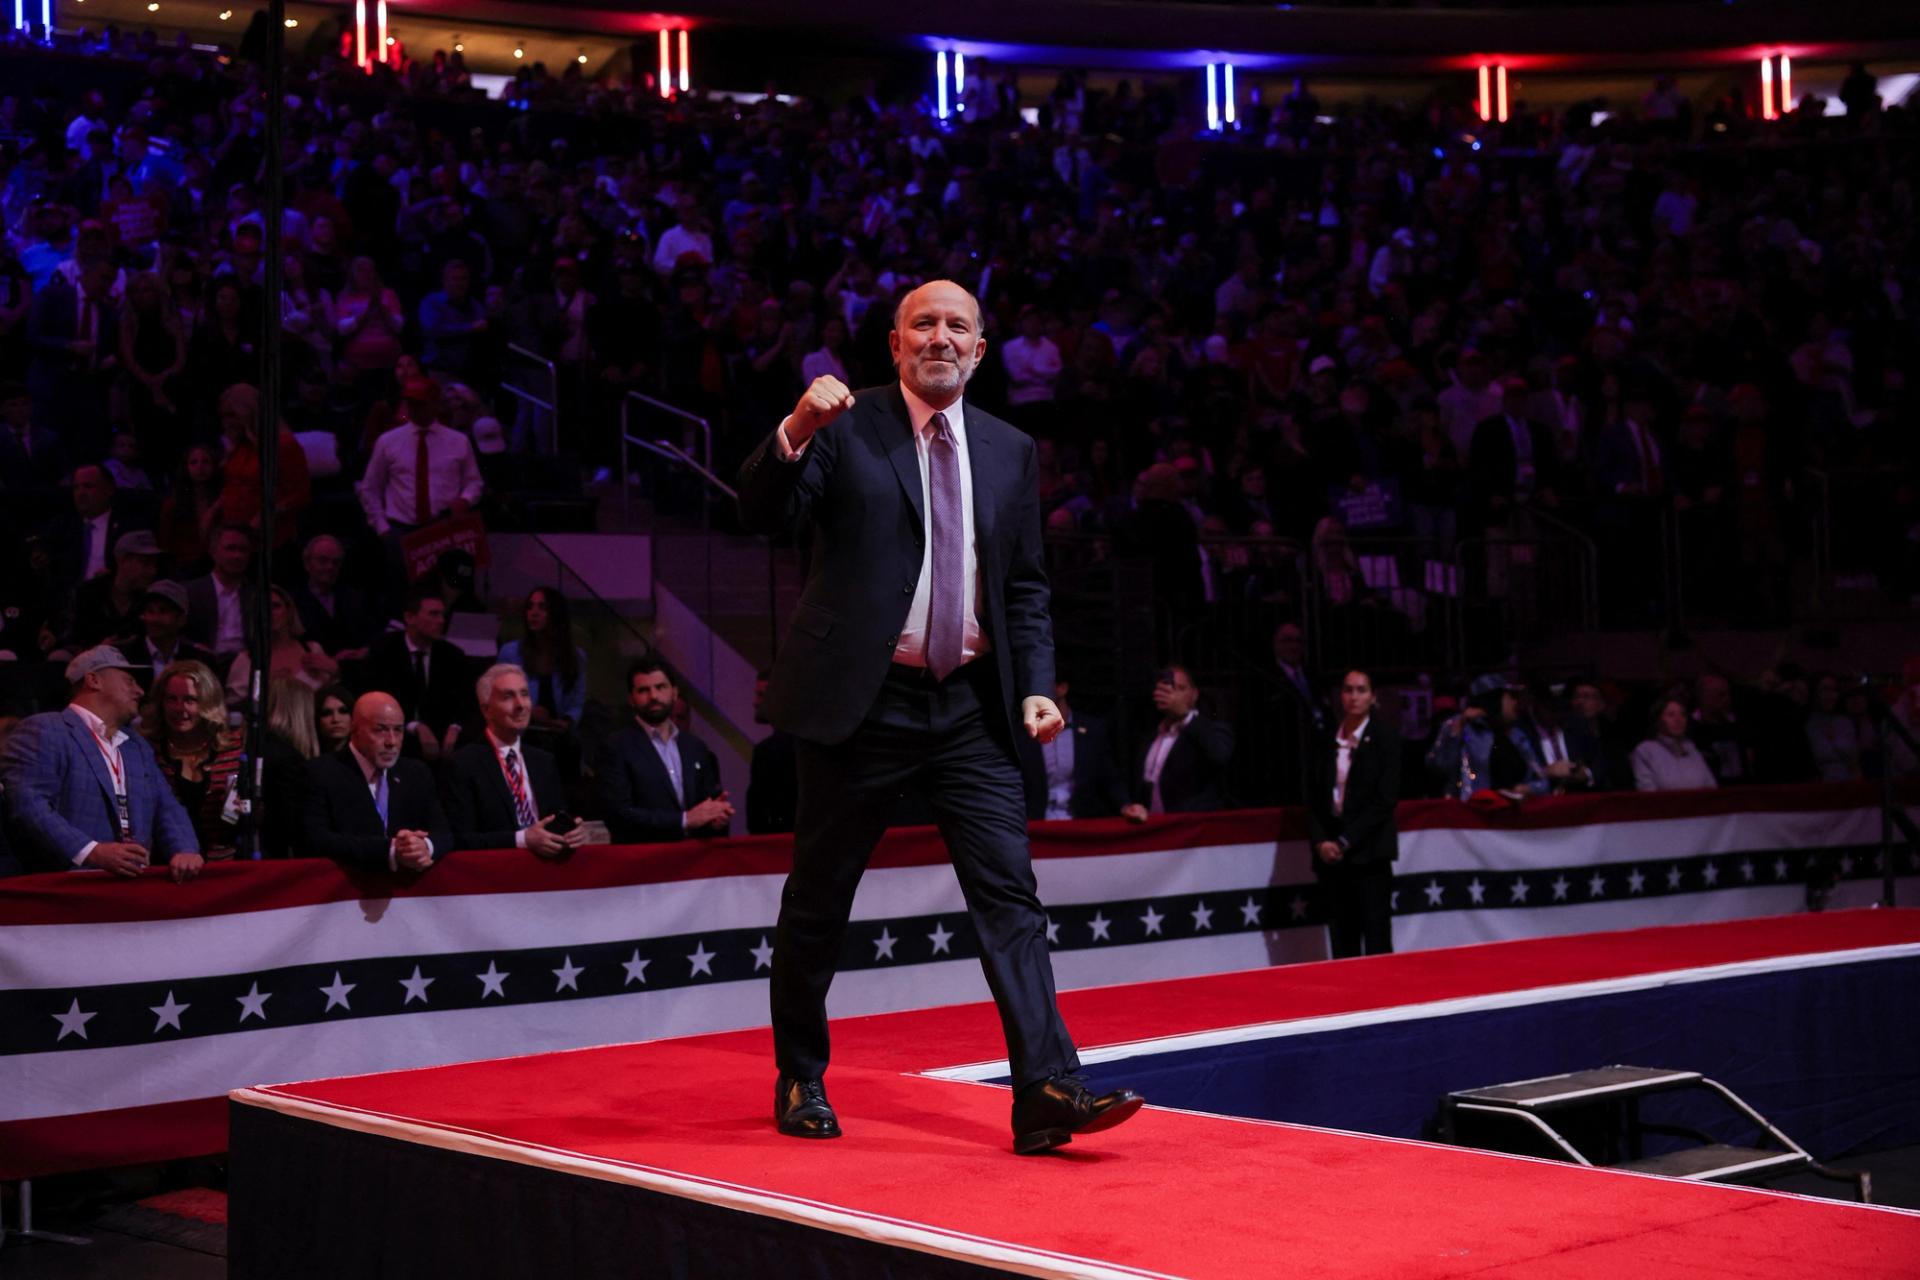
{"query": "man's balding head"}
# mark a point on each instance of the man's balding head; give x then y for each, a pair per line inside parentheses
(378, 729)
(936, 341)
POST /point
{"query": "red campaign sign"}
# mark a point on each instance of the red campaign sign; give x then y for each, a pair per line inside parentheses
(423, 548)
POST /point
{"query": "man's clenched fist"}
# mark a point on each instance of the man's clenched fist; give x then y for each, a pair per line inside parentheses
(820, 404)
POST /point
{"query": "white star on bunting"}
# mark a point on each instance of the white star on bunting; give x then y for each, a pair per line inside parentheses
(1597, 885)
(1249, 911)
(701, 960)
(1518, 889)
(73, 1022)
(762, 954)
(254, 1003)
(1100, 924)
(1202, 916)
(1560, 887)
(416, 987)
(883, 945)
(168, 1014)
(1779, 868)
(1393, 901)
(1673, 877)
(493, 982)
(1297, 907)
(1636, 881)
(1476, 891)
(1433, 892)
(636, 968)
(1053, 931)
(1746, 869)
(941, 940)
(567, 976)
(337, 993)
(1152, 920)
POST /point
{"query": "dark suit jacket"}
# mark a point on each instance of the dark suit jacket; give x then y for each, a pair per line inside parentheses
(636, 796)
(1098, 788)
(448, 697)
(773, 786)
(66, 542)
(479, 805)
(1491, 461)
(1365, 822)
(136, 652)
(203, 610)
(351, 625)
(858, 483)
(1194, 777)
(342, 823)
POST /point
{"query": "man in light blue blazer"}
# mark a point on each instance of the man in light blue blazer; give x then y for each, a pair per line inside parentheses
(82, 792)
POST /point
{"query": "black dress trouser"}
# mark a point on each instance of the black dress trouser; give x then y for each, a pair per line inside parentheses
(933, 735)
(1359, 898)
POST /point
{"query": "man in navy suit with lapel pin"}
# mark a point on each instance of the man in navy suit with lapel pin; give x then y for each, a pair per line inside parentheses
(502, 792)
(85, 793)
(658, 782)
(920, 649)
(366, 805)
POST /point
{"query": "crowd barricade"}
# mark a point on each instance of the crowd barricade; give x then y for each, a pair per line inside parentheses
(128, 1009)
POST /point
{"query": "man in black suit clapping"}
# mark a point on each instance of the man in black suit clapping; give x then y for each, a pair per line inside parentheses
(1353, 784)
(657, 782)
(500, 792)
(366, 805)
(1183, 767)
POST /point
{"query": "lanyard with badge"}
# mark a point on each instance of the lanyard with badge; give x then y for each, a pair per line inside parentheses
(123, 812)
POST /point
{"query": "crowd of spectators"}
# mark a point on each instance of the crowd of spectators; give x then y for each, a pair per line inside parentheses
(1243, 356)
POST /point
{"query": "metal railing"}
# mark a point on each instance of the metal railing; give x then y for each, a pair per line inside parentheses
(529, 427)
(663, 448)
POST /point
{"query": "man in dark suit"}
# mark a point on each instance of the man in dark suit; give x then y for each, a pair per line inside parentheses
(501, 792)
(32, 459)
(1353, 784)
(658, 782)
(74, 333)
(920, 649)
(80, 541)
(773, 786)
(220, 604)
(1510, 462)
(367, 806)
(1182, 768)
(163, 616)
(1077, 774)
(84, 793)
(336, 615)
(1293, 718)
(426, 675)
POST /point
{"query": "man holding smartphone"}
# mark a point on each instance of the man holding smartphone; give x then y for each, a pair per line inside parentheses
(501, 792)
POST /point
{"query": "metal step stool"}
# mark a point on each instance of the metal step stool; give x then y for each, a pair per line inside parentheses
(1605, 1102)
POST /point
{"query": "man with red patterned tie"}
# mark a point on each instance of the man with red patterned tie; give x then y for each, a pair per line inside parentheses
(501, 792)
(920, 647)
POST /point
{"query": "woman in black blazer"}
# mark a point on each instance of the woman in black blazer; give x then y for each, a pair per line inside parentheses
(1353, 783)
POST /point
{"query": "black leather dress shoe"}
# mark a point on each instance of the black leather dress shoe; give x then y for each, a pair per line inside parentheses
(801, 1109)
(1047, 1114)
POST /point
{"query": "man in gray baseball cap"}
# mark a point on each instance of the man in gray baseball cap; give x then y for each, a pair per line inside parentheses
(160, 637)
(85, 793)
(107, 607)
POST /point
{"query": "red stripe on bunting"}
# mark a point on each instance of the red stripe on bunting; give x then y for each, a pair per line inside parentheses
(106, 1139)
(85, 897)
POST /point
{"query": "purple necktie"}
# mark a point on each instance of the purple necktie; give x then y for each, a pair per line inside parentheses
(946, 602)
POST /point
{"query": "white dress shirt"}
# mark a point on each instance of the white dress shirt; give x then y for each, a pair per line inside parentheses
(387, 490)
(1157, 754)
(1344, 746)
(911, 650)
(503, 753)
(665, 738)
(1059, 760)
(230, 630)
(96, 534)
(109, 746)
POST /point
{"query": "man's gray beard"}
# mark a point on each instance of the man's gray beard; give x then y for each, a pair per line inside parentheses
(942, 382)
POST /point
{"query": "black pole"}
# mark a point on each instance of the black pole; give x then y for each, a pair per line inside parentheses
(267, 430)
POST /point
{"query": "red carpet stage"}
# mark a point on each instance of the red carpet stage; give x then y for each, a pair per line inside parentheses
(661, 1158)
